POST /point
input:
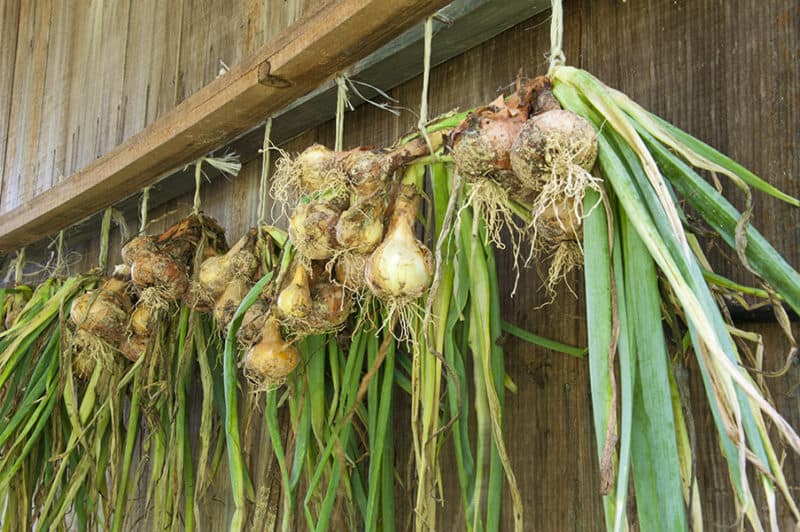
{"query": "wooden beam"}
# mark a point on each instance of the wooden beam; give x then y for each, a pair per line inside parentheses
(297, 61)
(462, 25)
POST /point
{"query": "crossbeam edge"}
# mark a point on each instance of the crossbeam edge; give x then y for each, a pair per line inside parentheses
(298, 60)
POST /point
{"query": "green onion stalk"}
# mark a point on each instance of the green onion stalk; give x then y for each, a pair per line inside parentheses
(636, 236)
(33, 396)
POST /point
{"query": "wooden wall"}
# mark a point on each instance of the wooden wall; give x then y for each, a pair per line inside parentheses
(87, 75)
(81, 76)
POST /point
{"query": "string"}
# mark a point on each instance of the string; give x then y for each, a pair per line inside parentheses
(262, 187)
(198, 177)
(59, 253)
(341, 101)
(143, 210)
(19, 267)
(105, 230)
(426, 74)
(556, 55)
(59, 266)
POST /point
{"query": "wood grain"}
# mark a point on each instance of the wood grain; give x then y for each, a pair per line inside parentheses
(726, 72)
(294, 63)
(9, 33)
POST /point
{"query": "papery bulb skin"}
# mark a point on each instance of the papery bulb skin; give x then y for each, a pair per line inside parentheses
(312, 229)
(360, 228)
(225, 307)
(163, 272)
(401, 267)
(271, 359)
(137, 247)
(550, 144)
(294, 301)
(315, 162)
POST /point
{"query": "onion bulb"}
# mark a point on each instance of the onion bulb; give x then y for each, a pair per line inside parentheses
(367, 171)
(133, 347)
(349, 271)
(552, 156)
(315, 169)
(169, 276)
(226, 305)
(272, 359)
(561, 221)
(401, 267)
(138, 247)
(85, 348)
(312, 229)
(314, 164)
(252, 323)
(294, 301)
(360, 228)
(240, 261)
(88, 351)
(482, 143)
(551, 146)
(142, 319)
(331, 306)
(104, 311)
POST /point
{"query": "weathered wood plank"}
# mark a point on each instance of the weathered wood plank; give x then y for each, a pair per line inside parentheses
(291, 65)
(471, 22)
(26, 101)
(9, 32)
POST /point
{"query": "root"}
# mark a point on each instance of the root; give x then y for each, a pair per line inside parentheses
(258, 383)
(155, 297)
(556, 220)
(88, 350)
(288, 186)
(347, 269)
(199, 297)
(566, 256)
(557, 211)
(299, 328)
(491, 202)
(285, 188)
(405, 313)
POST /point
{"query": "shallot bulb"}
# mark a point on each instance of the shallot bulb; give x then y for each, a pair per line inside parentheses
(294, 301)
(272, 359)
(226, 305)
(216, 272)
(314, 164)
(551, 145)
(312, 229)
(360, 228)
(103, 312)
(401, 267)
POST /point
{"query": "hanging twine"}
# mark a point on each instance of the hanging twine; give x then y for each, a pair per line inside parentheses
(198, 177)
(19, 267)
(227, 164)
(341, 101)
(60, 265)
(426, 75)
(143, 210)
(556, 54)
(263, 184)
(105, 230)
